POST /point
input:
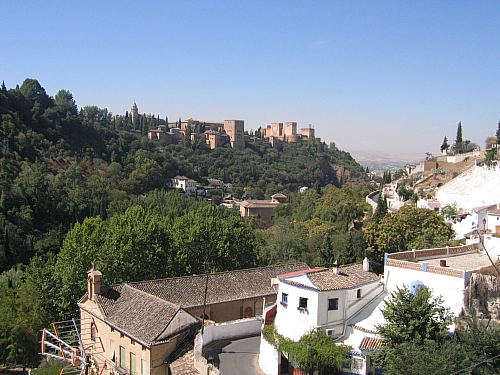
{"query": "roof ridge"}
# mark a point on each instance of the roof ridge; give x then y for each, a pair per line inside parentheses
(153, 296)
(216, 273)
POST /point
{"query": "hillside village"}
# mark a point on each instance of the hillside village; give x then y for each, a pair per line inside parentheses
(171, 251)
(154, 326)
(243, 188)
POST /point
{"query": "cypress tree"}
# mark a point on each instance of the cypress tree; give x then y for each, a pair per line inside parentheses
(498, 134)
(445, 145)
(3, 86)
(381, 210)
(459, 139)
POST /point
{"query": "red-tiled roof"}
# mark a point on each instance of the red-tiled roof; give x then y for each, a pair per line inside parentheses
(302, 272)
(258, 204)
(370, 344)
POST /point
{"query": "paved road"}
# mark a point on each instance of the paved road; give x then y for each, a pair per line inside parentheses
(238, 357)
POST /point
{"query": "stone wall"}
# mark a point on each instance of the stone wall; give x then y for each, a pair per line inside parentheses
(482, 296)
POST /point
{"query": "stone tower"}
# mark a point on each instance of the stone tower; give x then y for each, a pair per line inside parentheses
(235, 129)
(134, 113)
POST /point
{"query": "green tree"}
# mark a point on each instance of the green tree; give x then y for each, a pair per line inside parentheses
(412, 358)
(473, 349)
(65, 102)
(459, 138)
(381, 209)
(315, 351)
(445, 145)
(214, 237)
(81, 248)
(35, 93)
(409, 228)
(498, 134)
(414, 317)
(136, 247)
(20, 319)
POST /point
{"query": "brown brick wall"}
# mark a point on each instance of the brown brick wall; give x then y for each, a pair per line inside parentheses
(404, 264)
(435, 252)
(445, 271)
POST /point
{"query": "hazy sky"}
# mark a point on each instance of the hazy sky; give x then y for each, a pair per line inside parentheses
(376, 75)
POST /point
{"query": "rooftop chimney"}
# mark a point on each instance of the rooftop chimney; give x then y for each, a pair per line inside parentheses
(335, 268)
(442, 262)
(93, 283)
(366, 265)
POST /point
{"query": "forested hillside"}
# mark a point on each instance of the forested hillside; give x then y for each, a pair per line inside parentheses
(60, 164)
(79, 187)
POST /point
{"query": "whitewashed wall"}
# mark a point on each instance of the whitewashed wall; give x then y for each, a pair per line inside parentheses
(268, 358)
(450, 288)
(290, 321)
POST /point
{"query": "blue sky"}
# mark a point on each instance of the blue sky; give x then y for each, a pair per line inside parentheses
(393, 76)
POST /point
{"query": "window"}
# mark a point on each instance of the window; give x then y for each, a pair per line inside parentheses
(302, 303)
(92, 331)
(284, 298)
(358, 294)
(112, 351)
(333, 304)
(133, 366)
(357, 364)
(143, 367)
(122, 357)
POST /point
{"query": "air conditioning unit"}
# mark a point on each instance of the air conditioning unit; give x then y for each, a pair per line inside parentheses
(330, 332)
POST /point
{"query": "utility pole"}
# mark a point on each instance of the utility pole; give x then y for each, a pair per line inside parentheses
(207, 274)
(204, 304)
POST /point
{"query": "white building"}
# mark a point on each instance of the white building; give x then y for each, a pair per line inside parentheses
(493, 219)
(348, 304)
(484, 219)
(476, 187)
(430, 204)
(320, 298)
(187, 185)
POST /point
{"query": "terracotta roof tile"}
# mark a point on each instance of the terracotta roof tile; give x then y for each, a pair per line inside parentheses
(370, 344)
(351, 276)
(138, 314)
(144, 309)
(301, 272)
(259, 204)
(189, 291)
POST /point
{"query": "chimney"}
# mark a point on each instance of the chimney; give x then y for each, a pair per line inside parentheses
(366, 265)
(93, 283)
(442, 262)
(335, 268)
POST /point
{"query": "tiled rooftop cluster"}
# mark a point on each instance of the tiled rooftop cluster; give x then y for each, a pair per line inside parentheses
(350, 276)
(144, 309)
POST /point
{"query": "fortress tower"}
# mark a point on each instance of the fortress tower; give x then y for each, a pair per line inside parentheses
(134, 114)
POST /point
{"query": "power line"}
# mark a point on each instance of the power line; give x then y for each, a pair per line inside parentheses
(481, 241)
(477, 364)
